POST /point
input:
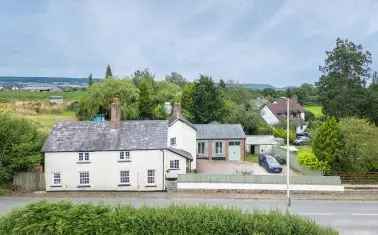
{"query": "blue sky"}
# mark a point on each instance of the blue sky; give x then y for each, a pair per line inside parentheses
(277, 42)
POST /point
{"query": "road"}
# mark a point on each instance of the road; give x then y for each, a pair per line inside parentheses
(348, 217)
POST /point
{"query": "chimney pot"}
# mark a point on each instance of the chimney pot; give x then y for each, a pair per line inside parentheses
(176, 110)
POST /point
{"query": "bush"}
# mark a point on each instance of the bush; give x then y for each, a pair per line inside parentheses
(281, 133)
(308, 159)
(67, 218)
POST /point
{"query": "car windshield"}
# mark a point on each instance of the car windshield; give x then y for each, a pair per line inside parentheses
(272, 161)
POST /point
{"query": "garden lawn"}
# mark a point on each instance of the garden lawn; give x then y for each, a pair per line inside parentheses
(315, 109)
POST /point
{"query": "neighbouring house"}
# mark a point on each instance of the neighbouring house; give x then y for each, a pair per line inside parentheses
(220, 141)
(277, 111)
(257, 144)
(118, 155)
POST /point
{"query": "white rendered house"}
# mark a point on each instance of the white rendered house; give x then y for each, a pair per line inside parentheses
(118, 156)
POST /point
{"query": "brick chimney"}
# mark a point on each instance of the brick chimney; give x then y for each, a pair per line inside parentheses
(176, 110)
(115, 113)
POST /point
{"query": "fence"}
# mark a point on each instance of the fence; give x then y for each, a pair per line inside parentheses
(259, 179)
(358, 178)
(29, 181)
(258, 182)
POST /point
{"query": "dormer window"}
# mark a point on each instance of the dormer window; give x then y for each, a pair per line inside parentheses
(124, 156)
(173, 141)
(83, 157)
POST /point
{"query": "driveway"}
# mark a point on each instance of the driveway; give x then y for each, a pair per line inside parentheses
(232, 167)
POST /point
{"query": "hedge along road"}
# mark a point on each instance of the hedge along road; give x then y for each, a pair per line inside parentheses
(348, 217)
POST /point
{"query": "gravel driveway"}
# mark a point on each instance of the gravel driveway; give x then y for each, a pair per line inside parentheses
(232, 167)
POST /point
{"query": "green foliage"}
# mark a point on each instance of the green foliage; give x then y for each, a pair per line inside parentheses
(187, 101)
(176, 79)
(146, 102)
(372, 107)
(281, 133)
(316, 110)
(90, 80)
(327, 143)
(307, 158)
(9, 96)
(108, 72)
(100, 96)
(342, 86)
(208, 103)
(361, 145)
(68, 218)
(20, 145)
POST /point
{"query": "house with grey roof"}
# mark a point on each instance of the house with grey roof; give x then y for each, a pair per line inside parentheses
(118, 155)
(220, 141)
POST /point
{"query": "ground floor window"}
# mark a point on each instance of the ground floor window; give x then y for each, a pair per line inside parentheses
(56, 178)
(84, 177)
(174, 164)
(124, 177)
(150, 176)
(201, 148)
(219, 147)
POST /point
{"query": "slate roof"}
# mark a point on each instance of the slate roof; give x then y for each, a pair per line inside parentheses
(280, 106)
(219, 131)
(181, 152)
(91, 136)
(173, 119)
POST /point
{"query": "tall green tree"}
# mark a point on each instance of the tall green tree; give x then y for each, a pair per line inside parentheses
(20, 146)
(176, 78)
(100, 96)
(143, 75)
(208, 103)
(342, 85)
(372, 107)
(90, 80)
(187, 101)
(108, 73)
(146, 100)
(328, 144)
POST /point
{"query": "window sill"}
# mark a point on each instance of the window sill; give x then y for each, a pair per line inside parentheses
(174, 169)
(56, 186)
(84, 186)
(83, 162)
(124, 160)
(122, 185)
(151, 186)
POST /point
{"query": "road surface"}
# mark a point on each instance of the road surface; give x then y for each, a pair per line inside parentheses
(348, 217)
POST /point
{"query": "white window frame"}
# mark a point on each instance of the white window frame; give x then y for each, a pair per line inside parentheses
(174, 164)
(124, 177)
(219, 145)
(172, 141)
(151, 177)
(201, 146)
(83, 175)
(124, 156)
(83, 157)
(56, 180)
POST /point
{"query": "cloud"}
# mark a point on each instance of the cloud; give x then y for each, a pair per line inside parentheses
(277, 42)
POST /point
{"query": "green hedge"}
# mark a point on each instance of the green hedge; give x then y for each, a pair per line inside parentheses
(307, 158)
(68, 218)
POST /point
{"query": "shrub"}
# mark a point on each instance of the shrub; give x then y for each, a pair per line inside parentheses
(67, 218)
(281, 133)
(308, 159)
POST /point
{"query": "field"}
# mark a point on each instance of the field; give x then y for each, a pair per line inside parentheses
(45, 122)
(315, 109)
(8, 96)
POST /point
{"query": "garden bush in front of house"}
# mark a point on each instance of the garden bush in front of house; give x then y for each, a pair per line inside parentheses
(68, 218)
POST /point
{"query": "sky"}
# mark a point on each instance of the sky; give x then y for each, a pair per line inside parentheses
(249, 41)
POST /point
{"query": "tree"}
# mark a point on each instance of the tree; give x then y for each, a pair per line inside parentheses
(90, 80)
(176, 78)
(342, 85)
(328, 145)
(372, 107)
(100, 96)
(187, 101)
(146, 102)
(141, 75)
(208, 103)
(361, 149)
(108, 73)
(222, 84)
(20, 146)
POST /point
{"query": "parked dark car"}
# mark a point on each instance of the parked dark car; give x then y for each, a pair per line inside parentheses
(270, 164)
(281, 160)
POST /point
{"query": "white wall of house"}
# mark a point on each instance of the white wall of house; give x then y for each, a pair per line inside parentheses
(268, 116)
(185, 139)
(104, 170)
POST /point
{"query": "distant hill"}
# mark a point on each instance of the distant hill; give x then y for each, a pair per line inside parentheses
(255, 86)
(42, 81)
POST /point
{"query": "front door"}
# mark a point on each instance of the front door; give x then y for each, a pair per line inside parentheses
(234, 151)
